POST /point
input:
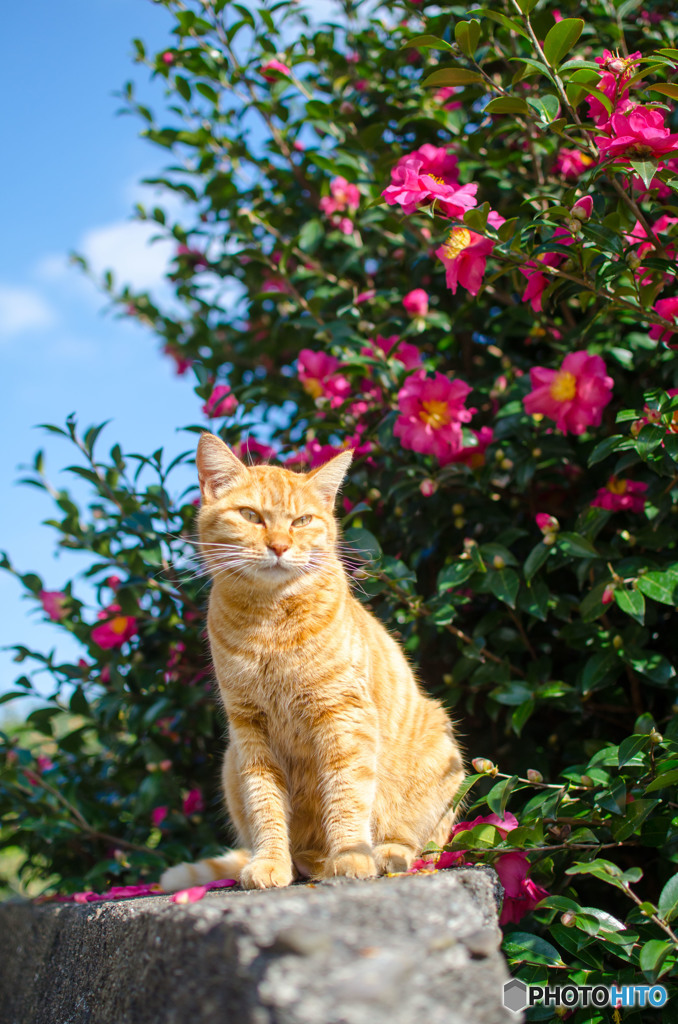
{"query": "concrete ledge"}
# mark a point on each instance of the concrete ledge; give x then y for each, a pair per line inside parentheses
(385, 951)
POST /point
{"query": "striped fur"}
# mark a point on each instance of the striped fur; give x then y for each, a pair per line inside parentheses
(337, 763)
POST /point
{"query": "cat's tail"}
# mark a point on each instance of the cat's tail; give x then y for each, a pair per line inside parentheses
(212, 869)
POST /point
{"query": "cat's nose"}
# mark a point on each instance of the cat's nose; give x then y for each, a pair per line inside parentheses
(279, 547)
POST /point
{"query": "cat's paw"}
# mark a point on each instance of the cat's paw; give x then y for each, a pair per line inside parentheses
(357, 862)
(392, 858)
(263, 873)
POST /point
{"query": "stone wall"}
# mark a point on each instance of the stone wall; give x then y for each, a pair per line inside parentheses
(399, 950)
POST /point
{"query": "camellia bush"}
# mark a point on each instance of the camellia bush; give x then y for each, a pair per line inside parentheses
(444, 237)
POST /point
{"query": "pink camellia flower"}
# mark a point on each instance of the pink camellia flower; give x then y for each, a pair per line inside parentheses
(432, 411)
(252, 450)
(521, 894)
(668, 308)
(195, 257)
(435, 160)
(621, 495)
(574, 396)
(167, 57)
(54, 604)
(316, 454)
(181, 362)
(221, 402)
(412, 187)
(44, 763)
(317, 372)
(416, 302)
(273, 68)
(113, 582)
(571, 163)
(115, 630)
(639, 133)
(364, 297)
(193, 802)
(393, 348)
(444, 97)
(345, 194)
(474, 455)
(464, 256)
(158, 815)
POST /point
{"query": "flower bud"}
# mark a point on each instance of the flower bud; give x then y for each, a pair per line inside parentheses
(583, 208)
(569, 919)
(457, 509)
(459, 523)
(549, 539)
(483, 765)
(498, 562)
(547, 523)
(655, 737)
(534, 776)
(608, 595)
(374, 494)
(587, 781)
(617, 642)
(428, 487)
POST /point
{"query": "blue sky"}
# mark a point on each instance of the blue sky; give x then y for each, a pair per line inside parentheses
(69, 178)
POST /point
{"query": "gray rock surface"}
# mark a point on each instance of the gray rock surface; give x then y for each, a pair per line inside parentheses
(399, 950)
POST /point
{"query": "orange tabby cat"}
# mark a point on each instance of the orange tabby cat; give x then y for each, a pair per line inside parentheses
(337, 763)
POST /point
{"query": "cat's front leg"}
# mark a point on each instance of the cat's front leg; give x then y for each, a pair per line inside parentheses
(347, 741)
(265, 804)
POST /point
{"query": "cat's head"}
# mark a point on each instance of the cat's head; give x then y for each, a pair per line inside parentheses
(265, 525)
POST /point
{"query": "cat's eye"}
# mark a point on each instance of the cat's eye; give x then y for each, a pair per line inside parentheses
(250, 515)
(302, 521)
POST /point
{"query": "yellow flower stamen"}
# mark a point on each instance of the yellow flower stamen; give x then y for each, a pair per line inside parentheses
(616, 486)
(457, 240)
(435, 414)
(564, 386)
(313, 387)
(119, 624)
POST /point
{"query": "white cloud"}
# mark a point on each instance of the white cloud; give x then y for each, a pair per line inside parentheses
(125, 248)
(23, 309)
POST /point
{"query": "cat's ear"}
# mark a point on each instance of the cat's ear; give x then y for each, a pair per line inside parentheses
(218, 467)
(327, 479)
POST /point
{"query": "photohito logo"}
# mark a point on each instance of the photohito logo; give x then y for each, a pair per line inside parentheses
(518, 995)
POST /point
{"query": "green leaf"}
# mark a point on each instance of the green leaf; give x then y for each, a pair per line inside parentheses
(662, 781)
(480, 837)
(547, 106)
(605, 870)
(504, 584)
(604, 448)
(668, 900)
(364, 542)
(466, 786)
(632, 602)
(526, 948)
(453, 76)
(577, 546)
(561, 38)
(631, 746)
(507, 105)
(665, 89)
(536, 559)
(660, 586)
(653, 955)
(467, 34)
(636, 813)
(598, 670)
(428, 40)
(311, 234)
(454, 575)
(501, 19)
(498, 796)
(645, 169)
(653, 665)
(182, 87)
